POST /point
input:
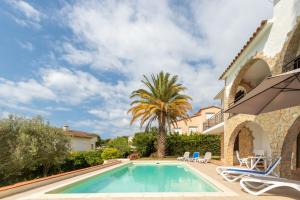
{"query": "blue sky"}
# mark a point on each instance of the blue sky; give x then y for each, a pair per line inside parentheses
(76, 62)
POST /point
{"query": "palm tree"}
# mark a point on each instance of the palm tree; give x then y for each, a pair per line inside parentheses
(160, 102)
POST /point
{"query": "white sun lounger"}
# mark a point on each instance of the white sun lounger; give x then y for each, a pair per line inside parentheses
(233, 174)
(205, 159)
(259, 185)
(220, 169)
(185, 156)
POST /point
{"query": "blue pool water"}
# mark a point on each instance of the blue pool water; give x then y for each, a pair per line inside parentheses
(135, 178)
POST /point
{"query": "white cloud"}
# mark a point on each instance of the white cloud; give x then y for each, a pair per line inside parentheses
(71, 86)
(24, 91)
(63, 85)
(15, 108)
(26, 45)
(59, 108)
(227, 25)
(148, 36)
(31, 14)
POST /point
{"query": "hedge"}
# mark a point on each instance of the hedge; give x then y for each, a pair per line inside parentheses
(82, 159)
(176, 145)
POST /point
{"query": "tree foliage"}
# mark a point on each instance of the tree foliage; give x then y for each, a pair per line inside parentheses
(163, 102)
(145, 142)
(120, 143)
(28, 145)
(110, 153)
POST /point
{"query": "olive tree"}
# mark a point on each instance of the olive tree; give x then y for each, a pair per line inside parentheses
(27, 145)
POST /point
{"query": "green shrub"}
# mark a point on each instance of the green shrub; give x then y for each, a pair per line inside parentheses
(82, 159)
(120, 143)
(110, 153)
(144, 143)
(93, 158)
(176, 144)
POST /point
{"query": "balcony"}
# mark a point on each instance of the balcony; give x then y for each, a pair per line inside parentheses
(214, 120)
(291, 65)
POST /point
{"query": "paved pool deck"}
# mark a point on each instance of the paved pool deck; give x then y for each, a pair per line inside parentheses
(207, 169)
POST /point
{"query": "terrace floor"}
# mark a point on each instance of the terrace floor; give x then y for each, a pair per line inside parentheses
(209, 170)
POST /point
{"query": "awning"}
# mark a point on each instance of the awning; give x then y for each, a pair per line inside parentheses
(274, 93)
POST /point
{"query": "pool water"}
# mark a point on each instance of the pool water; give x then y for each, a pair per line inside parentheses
(136, 178)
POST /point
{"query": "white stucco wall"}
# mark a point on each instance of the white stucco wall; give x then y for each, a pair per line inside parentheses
(285, 14)
(271, 39)
(82, 144)
(261, 140)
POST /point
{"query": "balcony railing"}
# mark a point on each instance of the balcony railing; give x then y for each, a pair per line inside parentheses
(291, 65)
(214, 120)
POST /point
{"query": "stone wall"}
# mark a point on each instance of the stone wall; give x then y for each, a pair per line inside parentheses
(274, 124)
(245, 142)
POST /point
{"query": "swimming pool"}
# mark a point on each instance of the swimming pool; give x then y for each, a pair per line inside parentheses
(142, 178)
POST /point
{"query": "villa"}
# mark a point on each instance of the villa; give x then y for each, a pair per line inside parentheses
(197, 122)
(266, 144)
(273, 48)
(80, 141)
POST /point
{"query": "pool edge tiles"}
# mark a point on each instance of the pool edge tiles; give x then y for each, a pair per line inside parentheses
(219, 189)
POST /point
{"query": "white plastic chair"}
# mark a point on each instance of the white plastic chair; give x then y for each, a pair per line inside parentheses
(205, 159)
(185, 156)
(243, 161)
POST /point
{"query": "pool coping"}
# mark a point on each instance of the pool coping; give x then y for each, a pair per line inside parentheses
(42, 192)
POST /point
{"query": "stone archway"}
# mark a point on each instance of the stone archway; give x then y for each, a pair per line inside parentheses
(244, 135)
(239, 80)
(251, 138)
(289, 151)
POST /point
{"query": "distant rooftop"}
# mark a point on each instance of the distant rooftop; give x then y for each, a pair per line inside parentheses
(75, 133)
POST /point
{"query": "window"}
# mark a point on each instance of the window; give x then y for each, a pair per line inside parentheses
(240, 94)
(177, 130)
(92, 146)
(193, 129)
(297, 63)
(208, 115)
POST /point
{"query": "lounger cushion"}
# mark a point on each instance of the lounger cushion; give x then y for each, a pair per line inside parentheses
(245, 171)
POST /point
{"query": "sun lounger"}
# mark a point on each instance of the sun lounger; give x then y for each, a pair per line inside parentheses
(233, 174)
(205, 159)
(220, 169)
(196, 155)
(185, 156)
(259, 185)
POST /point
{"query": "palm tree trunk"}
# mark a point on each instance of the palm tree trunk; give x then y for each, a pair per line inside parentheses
(161, 138)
